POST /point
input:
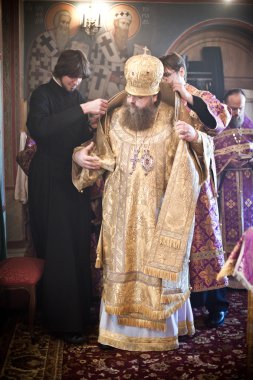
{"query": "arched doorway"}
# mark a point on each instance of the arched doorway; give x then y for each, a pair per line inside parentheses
(235, 40)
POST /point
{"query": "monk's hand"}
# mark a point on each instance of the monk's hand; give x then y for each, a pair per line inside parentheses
(96, 107)
(93, 120)
(84, 158)
(186, 131)
(183, 92)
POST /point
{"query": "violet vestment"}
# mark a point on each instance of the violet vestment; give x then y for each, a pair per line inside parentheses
(235, 181)
(207, 257)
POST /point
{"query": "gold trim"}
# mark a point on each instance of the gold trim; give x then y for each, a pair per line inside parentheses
(156, 317)
(207, 287)
(132, 276)
(206, 255)
(137, 344)
(160, 273)
(143, 323)
(230, 132)
(186, 328)
(233, 148)
(180, 297)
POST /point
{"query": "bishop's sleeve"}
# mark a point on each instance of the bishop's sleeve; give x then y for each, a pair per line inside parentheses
(82, 177)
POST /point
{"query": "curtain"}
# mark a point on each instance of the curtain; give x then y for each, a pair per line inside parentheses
(212, 57)
(2, 232)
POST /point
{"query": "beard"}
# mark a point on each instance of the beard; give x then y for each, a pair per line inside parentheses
(121, 38)
(138, 119)
(237, 121)
(61, 37)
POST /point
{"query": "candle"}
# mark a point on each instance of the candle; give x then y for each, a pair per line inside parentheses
(83, 19)
(99, 19)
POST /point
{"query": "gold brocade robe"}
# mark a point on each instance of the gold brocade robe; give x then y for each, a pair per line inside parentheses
(148, 218)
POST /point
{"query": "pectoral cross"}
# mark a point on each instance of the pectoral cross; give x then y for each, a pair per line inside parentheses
(135, 159)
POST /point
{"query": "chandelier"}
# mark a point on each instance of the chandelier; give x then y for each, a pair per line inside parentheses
(91, 24)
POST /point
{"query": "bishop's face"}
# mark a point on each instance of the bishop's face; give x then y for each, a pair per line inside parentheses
(140, 102)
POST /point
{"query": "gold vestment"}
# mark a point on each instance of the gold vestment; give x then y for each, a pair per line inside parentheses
(148, 218)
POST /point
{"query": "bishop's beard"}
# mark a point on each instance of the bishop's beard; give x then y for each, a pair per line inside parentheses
(138, 119)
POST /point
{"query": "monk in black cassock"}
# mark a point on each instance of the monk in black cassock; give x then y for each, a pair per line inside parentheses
(60, 216)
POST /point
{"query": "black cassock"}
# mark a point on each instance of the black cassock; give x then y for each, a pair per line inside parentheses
(59, 214)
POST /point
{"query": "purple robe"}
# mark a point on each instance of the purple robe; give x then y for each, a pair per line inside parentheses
(207, 254)
(243, 270)
(236, 181)
(240, 261)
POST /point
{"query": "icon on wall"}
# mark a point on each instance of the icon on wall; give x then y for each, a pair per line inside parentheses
(111, 50)
(72, 18)
(62, 23)
(132, 17)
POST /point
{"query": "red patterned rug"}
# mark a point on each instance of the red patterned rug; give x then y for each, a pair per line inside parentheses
(211, 354)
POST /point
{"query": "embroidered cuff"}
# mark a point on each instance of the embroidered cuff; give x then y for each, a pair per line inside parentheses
(197, 144)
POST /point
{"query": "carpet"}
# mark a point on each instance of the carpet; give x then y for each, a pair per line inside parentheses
(211, 354)
(22, 359)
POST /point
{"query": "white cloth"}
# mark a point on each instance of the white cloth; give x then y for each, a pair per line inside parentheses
(143, 339)
(21, 185)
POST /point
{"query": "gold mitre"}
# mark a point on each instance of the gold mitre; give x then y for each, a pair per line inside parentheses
(143, 75)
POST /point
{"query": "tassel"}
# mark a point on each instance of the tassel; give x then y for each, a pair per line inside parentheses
(154, 272)
(168, 298)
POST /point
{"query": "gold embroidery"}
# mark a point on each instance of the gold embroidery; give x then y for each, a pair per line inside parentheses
(170, 242)
(130, 213)
(137, 344)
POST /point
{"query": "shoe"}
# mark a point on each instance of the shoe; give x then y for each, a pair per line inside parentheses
(104, 346)
(75, 339)
(216, 319)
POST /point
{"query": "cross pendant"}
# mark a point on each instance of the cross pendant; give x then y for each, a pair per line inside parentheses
(135, 159)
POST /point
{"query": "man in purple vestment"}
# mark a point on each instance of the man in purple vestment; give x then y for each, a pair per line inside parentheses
(234, 161)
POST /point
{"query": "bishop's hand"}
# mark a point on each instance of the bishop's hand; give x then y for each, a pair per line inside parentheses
(185, 131)
(84, 158)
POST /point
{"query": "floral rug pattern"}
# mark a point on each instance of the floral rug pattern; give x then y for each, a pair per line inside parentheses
(211, 354)
(24, 360)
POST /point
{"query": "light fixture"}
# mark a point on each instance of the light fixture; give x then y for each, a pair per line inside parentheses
(91, 22)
